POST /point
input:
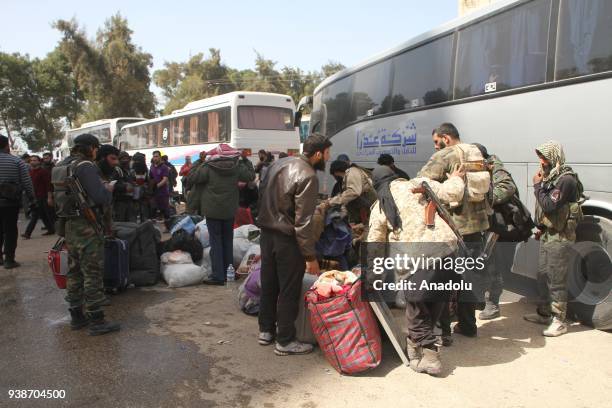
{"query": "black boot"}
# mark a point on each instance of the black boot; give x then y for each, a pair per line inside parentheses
(10, 264)
(100, 326)
(78, 318)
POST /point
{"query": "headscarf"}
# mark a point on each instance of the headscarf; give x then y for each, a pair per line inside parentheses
(552, 151)
(382, 177)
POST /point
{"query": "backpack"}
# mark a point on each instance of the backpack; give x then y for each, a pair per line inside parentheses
(512, 221)
(477, 177)
(65, 202)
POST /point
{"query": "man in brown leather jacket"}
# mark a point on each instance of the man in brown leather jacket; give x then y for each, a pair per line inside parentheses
(288, 196)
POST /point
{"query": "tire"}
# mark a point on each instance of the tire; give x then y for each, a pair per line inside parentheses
(590, 277)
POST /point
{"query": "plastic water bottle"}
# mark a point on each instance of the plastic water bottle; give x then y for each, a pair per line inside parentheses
(231, 273)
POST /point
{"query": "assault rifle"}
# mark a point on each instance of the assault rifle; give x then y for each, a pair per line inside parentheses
(75, 186)
(434, 205)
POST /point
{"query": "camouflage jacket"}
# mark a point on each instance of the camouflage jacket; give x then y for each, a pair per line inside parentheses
(357, 193)
(415, 239)
(503, 184)
(470, 217)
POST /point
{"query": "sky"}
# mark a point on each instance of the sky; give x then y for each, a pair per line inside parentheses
(298, 34)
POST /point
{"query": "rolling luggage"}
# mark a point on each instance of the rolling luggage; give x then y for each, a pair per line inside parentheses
(116, 264)
(303, 327)
(346, 330)
(58, 262)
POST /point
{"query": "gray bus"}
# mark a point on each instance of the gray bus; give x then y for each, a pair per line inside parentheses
(510, 76)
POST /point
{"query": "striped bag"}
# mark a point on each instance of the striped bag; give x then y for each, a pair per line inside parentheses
(346, 330)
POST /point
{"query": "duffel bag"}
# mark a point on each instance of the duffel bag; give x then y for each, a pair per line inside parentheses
(142, 240)
(346, 330)
(58, 262)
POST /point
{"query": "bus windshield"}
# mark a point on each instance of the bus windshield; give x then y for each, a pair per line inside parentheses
(265, 118)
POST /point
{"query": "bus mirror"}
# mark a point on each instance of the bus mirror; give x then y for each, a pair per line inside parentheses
(304, 102)
(298, 119)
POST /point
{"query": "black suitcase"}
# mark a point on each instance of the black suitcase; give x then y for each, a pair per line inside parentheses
(116, 265)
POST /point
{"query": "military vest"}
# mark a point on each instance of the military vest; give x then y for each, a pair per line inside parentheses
(561, 224)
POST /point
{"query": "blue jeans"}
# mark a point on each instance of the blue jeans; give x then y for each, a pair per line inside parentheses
(221, 246)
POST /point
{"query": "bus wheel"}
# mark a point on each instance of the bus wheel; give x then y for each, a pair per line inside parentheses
(590, 279)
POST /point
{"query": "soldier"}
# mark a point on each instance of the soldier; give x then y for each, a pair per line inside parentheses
(503, 190)
(471, 217)
(123, 197)
(558, 193)
(108, 163)
(85, 245)
(357, 194)
(386, 159)
(398, 218)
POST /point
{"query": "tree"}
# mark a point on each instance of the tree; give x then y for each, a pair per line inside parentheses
(202, 77)
(112, 72)
(331, 68)
(37, 96)
(195, 79)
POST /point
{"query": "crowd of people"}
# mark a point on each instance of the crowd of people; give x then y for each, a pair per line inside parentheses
(382, 205)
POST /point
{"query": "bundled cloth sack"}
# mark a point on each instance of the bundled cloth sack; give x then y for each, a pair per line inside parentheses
(176, 257)
(175, 219)
(333, 283)
(244, 238)
(206, 264)
(181, 240)
(201, 233)
(252, 255)
(143, 240)
(250, 291)
(346, 329)
(179, 270)
(185, 224)
(336, 239)
(249, 232)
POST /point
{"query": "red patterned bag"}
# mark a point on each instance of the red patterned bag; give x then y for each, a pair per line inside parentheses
(58, 262)
(346, 330)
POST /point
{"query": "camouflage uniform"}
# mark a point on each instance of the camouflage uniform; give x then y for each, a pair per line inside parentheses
(503, 190)
(557, 214)
(84, 281)
(357, 195)
(471, 218)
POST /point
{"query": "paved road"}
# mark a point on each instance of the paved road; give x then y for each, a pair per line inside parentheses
(168, 355)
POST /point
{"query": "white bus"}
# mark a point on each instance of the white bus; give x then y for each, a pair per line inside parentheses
(106, 130)
(510, 76)
(245, 120)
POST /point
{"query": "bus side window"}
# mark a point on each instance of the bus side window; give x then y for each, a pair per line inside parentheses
(203, 125)
(224, 125)
(584, 44)
(337, 100)
(422, 76)
(193, 129)
(509, 49)
(371, 91)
